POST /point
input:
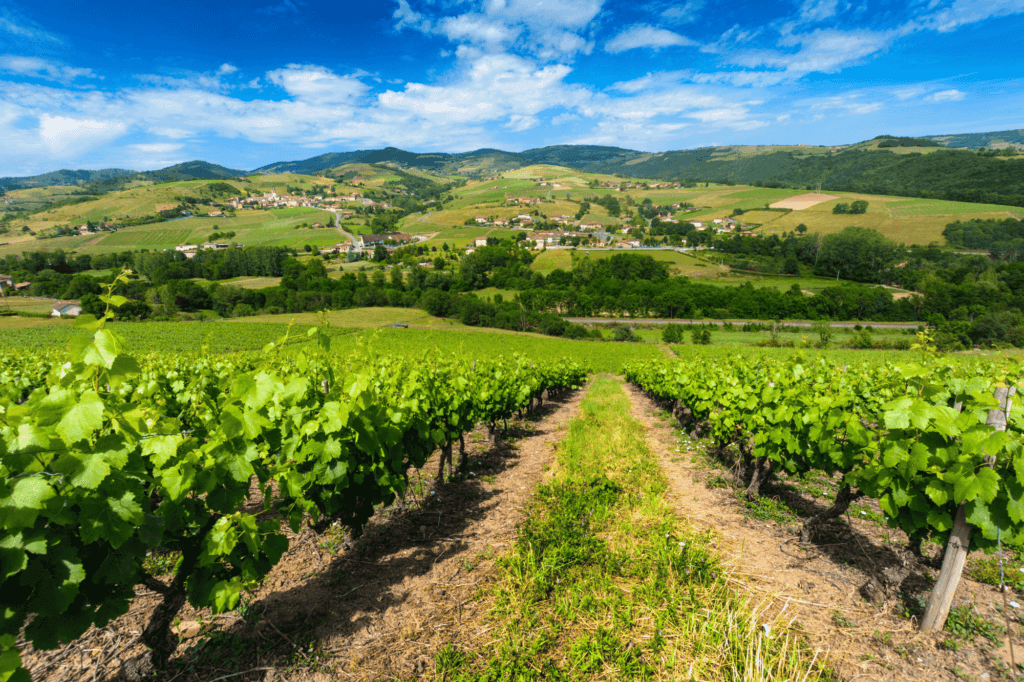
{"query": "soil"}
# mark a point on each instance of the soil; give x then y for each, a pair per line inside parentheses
(802, 201)
(376, 608)
(816, 588)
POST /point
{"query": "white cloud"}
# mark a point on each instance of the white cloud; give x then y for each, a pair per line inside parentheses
(156, 147)
(675, 13)
(850, 102)
(549, 29)
(818, 10)
(63, 135)
(226, 69)
(963, 12)
(317, 85)
(946, 96)
(34, 67)
(644, 35)
(22, 30)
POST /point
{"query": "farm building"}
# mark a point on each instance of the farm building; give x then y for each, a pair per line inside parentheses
(66, 309)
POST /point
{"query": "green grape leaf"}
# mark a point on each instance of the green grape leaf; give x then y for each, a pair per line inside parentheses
(979, 516)
(940, 520)
(25, 499)
(938, 492)
(897, 413)
(82, 419)
(83, 469)
(970, 486)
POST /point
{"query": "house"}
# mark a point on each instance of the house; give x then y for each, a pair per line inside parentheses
(317, 226)
(501, 221)
(482, 241)
(590, 226)
(66, 309)
(6, 281)
(190, 253)
(480, 219)
(22, 286)
(216, 214)
(215, 246)
(186, 247)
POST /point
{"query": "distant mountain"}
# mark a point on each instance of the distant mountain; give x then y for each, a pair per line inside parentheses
(116, 178)
(583, 157)
(1000, 138)
(63, 178)
(192, 170)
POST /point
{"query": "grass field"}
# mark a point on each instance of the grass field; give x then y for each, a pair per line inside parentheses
(12, 322)
(24, 304)
(682, 265)
(280, 227)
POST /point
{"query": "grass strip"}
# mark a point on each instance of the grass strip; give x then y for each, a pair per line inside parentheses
(603, 581)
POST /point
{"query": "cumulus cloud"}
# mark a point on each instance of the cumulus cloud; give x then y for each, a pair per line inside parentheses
(645, 35)
(549, 30)
(226, 69)
(65, 135)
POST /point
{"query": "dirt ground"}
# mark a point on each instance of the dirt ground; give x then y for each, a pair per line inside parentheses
(802, 201)
(376, 608)
(817, 588)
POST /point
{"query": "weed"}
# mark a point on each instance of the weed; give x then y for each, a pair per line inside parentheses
(986, 570)
(449, 659)
(161, 562)
(841, 621)
(913, 605)
(716, 481)
(952, 643)
(882, 638)
(965, 621)
(767, 509)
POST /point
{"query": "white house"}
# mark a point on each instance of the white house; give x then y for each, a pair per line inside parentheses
(480, 242)
(66, 309)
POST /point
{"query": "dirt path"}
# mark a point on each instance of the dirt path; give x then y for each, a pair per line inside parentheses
(378, 608)
(815, 587)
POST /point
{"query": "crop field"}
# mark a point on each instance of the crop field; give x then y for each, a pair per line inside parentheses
(937, 207)
(674, 549)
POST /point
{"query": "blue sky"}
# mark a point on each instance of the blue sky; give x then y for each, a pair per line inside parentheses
(143, 85)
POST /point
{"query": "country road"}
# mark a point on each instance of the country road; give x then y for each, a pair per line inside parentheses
(791, 323)
(337, 224)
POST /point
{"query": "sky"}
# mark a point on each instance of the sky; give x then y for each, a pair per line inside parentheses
(244, 83)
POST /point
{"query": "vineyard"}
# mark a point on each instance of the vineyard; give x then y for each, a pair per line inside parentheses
(191, 476)
(106, 459)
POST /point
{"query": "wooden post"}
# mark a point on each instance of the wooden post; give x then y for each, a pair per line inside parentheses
(941, 597)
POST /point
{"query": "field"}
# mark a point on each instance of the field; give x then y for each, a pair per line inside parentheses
(593, 515)
(682, 265)
(280, 227)
(911, 221)
(26, 304)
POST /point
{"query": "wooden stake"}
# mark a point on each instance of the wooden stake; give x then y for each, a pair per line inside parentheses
(941, 598)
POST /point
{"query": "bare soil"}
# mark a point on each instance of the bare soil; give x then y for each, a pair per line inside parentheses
(817, 588)
(802, 201)
(376, 608)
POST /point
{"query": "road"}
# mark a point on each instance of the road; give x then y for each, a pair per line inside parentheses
(337, 224)
(788, 323)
